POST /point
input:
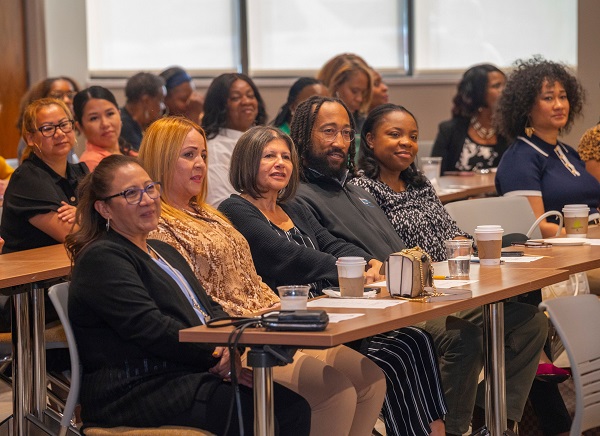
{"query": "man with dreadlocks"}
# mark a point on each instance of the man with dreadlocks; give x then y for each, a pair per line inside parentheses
(323, 131)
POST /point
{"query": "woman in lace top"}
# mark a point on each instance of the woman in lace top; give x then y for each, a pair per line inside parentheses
(387, 154)
(218, 254)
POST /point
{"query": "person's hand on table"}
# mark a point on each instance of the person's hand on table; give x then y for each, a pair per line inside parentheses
(1, 243)
(223, 368)
(373, 273)
(66, 212)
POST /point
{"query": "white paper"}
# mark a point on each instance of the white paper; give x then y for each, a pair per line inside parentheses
(381, 284)
(354, 303)
(512, 259)
(446, 284)
(337, 317)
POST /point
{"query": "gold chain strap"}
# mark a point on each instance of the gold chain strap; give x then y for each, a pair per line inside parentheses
(418, 253)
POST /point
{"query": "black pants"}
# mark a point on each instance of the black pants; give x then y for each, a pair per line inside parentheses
(292, 412)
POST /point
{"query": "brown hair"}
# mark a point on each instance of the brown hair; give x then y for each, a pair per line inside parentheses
(92, 188)
(339, 69)
(246, 157)
(29, 119)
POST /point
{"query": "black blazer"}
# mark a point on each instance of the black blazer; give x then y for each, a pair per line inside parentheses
(126, 314)
(450, 140)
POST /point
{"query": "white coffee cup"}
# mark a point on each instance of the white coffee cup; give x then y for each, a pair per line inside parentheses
(576, 220)
(351, 276)
(489, 244)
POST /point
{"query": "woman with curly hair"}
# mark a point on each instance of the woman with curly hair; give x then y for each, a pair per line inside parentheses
(589, 150)
(469, 141)
(540, 101)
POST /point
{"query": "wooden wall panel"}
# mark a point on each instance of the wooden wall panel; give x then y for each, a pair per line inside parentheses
(13, 73)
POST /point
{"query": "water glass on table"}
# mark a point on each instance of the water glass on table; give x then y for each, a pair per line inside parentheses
(458, 253)
(293, 297)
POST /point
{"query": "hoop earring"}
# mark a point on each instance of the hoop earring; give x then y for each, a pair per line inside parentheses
(107, 224)
(528, 129)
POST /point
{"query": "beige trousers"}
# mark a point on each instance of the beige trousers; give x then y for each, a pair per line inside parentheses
(345, 389)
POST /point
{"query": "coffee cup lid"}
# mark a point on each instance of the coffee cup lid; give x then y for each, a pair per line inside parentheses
(351, 260)
(569, 207)
(490, 228)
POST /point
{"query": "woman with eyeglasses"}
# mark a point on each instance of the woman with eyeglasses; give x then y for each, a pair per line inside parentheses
(99, 119)
(62, 88)
(40, 200)
(136, 372)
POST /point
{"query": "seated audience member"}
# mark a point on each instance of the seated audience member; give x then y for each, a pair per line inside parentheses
(540, 101)
(40, 200)
(99, 119)
(136, 372)
(288, 246)
(233, 105)
(386, 159)
(379, 94)
(344, 389)
(327, 166)
(348, 77)
(302, 88)
(62, 88)
(145, 94)
(469, 140)
(182, 98)
(589, 150)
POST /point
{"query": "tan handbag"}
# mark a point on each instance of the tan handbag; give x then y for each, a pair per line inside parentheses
(409, 274)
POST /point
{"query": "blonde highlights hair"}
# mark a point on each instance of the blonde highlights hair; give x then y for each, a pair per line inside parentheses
(340, 68)
(158, 155)
(29, 123)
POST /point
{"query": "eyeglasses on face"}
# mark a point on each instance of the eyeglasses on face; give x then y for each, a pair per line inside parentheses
(330, 134)
(60, 95)
(50, 129)
(134, 195)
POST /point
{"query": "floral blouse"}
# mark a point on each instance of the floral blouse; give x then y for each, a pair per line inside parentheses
(220, 256)
(416, 214)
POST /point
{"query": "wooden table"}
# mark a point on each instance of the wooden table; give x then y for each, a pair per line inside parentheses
(23, 276)
(495, 284)
(462, 187)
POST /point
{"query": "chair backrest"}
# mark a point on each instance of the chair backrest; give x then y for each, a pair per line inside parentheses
(425, 148)
(577, 321)
(59, 295)
(514, 214)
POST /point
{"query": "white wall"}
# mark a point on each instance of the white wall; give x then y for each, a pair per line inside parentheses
(429, 98)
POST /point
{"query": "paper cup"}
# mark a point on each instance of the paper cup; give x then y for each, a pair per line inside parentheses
(489, 244)
(576, 218)
(351, 276)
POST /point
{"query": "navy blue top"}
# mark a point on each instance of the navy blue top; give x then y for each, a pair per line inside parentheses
(533, 167)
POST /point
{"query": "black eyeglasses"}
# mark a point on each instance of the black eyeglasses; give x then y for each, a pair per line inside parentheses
(49, 130)
(330, 134)
(134, 195)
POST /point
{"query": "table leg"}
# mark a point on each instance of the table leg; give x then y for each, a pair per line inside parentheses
(264, 421)
(21, 370)
(39, 351)
(264, 416)
(494, 368)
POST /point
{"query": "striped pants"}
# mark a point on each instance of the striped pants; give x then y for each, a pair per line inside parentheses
(414, 396)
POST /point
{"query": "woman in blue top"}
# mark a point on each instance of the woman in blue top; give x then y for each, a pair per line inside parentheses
(540, 101)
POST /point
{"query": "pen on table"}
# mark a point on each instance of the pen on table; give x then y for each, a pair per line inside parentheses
(442, 278)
